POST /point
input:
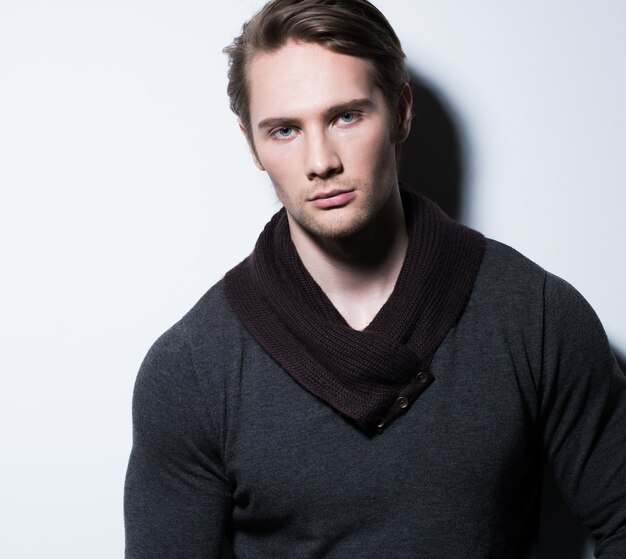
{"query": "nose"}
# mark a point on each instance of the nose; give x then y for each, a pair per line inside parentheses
(322, 158)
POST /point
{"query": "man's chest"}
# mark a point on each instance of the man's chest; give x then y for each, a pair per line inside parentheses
(464, 454)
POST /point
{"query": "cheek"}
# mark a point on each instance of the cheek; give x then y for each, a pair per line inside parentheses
(373, 150)
(280, 162)
(378, 135)
(284, 181)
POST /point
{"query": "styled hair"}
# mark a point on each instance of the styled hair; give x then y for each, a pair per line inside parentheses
(352, 27)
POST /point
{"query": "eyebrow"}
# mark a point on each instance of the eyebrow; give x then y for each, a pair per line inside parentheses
(348, 106)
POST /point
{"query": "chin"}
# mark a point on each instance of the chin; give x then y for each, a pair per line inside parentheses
(334, 229)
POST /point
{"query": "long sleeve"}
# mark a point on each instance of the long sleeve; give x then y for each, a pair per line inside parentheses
(177, 499)
(583, 407)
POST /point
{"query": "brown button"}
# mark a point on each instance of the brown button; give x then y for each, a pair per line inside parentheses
(402, 402)
(422, 377)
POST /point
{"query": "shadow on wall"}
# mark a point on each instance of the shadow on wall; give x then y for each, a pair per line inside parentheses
(434, 162)
(434, 156)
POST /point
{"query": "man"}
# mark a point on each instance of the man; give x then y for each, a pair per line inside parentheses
(375, 380)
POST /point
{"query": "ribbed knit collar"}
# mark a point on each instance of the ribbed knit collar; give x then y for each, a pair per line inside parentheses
(370, 376)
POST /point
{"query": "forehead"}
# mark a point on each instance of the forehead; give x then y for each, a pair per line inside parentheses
(305, 78)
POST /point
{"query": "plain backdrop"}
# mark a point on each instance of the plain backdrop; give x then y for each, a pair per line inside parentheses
(127, 191)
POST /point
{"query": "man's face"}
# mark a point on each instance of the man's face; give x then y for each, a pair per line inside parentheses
(324, 134)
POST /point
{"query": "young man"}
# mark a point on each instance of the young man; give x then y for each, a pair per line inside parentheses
(375, 380)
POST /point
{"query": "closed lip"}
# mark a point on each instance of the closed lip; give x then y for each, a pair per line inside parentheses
(329, 194)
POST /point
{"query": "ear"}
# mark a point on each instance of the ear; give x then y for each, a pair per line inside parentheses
(404, 113)
(251, 147)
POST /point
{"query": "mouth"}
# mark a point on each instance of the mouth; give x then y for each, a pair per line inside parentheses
(332, 198)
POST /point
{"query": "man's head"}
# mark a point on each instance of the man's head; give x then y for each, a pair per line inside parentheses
(352, 27)
(321, 91)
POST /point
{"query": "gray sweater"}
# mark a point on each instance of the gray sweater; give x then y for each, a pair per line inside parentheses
(227, 445)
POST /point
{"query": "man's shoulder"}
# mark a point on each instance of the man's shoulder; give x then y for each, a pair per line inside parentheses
(505, 266)
(510, 280)
(506, 276)
(504, 261)
(209, 331)
(210, 316)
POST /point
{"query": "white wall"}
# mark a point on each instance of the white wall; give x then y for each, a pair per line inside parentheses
(126, 191)
(540, 90)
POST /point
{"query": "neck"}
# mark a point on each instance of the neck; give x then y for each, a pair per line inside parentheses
(358, 273)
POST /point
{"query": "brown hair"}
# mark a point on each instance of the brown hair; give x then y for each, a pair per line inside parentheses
(352, 27)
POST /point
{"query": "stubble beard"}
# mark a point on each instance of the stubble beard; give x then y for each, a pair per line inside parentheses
(339, 223)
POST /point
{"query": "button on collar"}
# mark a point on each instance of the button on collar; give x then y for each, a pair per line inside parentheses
(402, 402)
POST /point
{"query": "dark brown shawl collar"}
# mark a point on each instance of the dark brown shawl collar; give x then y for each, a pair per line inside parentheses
(370, 376)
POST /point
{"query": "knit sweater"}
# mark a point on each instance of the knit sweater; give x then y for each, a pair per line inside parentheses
(227, 446)
(372, 375)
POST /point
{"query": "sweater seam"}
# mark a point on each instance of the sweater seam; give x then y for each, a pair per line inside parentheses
(221, 428)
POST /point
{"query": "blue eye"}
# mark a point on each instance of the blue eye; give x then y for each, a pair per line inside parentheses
(283, 132)
(347, 117)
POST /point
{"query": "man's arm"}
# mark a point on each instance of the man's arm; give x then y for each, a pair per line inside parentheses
(583, 407)
(177, 498)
